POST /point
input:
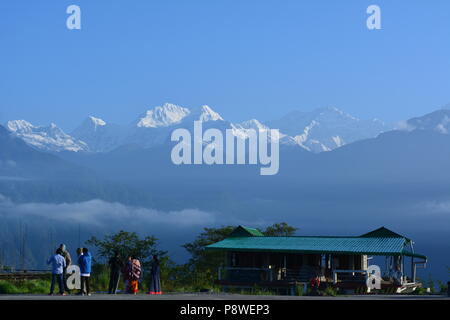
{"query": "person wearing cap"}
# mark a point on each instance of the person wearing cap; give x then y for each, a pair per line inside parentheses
(66, 255)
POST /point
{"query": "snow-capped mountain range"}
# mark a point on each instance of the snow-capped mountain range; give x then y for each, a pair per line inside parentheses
(320, 130)
(49, 138)
(326, 129)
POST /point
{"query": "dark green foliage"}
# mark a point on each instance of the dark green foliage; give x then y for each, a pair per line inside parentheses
(203, 266)
(430, 283)
(329, 291)
(7, 287)
(99, 278)
(420, 291)
(127, 244)
(280, 230)
(442, 287)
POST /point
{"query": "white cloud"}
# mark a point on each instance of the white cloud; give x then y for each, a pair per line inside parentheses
(403, 125)
(437, 207)
(101, 213)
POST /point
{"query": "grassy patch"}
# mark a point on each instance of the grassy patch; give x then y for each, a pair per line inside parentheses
(24, 287)
(420, 291)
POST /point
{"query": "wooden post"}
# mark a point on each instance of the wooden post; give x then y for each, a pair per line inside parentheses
(413, 265)
(352, 263)
(402, 261)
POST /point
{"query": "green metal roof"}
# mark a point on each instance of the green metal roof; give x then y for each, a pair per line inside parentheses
(412, 254)
(383, 233)
(368, 245)
(246, 232)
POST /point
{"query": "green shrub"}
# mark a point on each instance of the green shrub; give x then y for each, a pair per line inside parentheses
(34, 286)
(330, 291)
(420, 291)
(99, 281)
(258, 291)
(300, 289)
(7, 287)
(443, 287)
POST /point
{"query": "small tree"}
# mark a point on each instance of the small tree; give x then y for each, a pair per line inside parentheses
(280, 230)
(127, 244)
(203, 264)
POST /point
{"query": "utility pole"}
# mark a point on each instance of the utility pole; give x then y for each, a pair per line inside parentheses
(23, 239)
(79, 235)
(50, 231)
(2, 257)
(21, 245)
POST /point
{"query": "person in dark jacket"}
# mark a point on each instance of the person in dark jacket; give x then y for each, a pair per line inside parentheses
(85, 262)
(116, 266)
(126, 274)
(80, 254)
(155, 280)
(67, 257)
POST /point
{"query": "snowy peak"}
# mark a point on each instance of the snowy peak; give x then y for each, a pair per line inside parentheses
(49, 138)
(334, 113)
(252, 124)
(19, 126)
(171, 114)
(438, 121)
(205, 114)
(99, 135)
(325, 129)
(89, 124)
(97, 122)
(162, 116)
(322, 129)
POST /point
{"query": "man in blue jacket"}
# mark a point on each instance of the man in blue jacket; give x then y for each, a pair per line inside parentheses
(85, 262)
(58, 264)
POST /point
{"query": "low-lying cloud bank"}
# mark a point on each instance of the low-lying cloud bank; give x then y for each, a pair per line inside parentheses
(101, 213)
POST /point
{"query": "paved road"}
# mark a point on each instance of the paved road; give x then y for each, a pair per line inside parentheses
(197, 296)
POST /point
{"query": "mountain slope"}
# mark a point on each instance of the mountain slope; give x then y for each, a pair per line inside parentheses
(30, 175)
(20, 160)
(326, 129)
(49, 138)
(437, 121)
(99, 135)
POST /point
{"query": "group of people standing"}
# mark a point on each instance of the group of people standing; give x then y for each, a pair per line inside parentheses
(131, 271)
(61, 260)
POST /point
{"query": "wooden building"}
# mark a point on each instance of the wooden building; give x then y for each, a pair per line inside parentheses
(285, 263)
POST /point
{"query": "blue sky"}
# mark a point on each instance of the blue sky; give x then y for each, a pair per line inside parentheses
(246, 59)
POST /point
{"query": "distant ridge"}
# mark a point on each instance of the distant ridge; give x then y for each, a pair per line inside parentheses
(320, 130)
